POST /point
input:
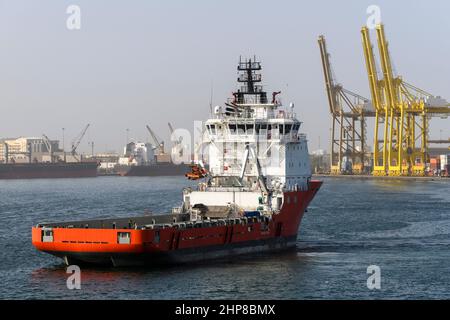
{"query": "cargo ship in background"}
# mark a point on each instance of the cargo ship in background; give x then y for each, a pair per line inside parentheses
(252, 198)
(40, 157)
(82, 169)
(146, 159)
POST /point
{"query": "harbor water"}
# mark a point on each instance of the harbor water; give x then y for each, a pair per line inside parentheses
(403, 227)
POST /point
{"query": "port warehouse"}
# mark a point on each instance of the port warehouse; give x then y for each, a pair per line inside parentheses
(28, 149)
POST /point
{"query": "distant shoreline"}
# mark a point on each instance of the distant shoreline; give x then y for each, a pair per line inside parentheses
(368, 177)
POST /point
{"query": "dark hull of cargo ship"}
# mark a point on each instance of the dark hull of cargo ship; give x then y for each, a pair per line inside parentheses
(48, 170)
(153, 170)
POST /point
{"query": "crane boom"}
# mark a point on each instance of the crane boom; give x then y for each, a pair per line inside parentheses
(371, 70)
(329, 82)
(76, 142)
(48, 144)
(386, 65)
(153, 135)
(170, 128)
(158, 144)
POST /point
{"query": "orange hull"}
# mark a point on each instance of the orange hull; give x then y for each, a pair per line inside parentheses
(145, 245)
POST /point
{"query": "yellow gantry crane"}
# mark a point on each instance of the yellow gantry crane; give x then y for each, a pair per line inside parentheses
(402, 113)
(349, 112)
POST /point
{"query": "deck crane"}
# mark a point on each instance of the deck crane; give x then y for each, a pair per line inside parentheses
(76, 142)
(349, 112)
(177, 148)
(405, 111)
(170, 128)
(179, 139)
(158, 144)
(49, 147)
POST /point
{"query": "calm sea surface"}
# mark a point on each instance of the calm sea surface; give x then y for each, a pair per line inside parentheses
(401, 226)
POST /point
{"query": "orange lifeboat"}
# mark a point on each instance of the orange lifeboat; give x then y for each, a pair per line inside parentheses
(196, 173)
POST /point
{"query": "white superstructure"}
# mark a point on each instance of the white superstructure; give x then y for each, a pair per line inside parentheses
(255, 150)
(267, 132)
(138, 153)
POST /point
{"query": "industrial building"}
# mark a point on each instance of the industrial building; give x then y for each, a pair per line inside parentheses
(29, 149)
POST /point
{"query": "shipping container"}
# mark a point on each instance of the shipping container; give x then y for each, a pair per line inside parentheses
(435, 163)
(447, 171)
(444, 160)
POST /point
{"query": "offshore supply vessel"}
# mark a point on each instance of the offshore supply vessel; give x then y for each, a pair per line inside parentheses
(251, 199)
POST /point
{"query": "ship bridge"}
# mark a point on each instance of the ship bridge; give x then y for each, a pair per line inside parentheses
(251, 138)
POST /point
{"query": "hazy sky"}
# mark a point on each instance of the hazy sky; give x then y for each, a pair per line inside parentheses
(134, 63)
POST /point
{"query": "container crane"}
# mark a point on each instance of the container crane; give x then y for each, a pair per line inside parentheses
(76, 142)
(349, 111)
(381, 111)
(403, 109)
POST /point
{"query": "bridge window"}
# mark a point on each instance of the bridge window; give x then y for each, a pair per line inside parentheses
(269, 132)
(250, 128)
(287, 129)
(233, 128)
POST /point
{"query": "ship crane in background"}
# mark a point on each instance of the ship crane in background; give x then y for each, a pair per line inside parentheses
(76, 142)
(177, 148)
(170, 128)
(48, 145)
(402, 115)
(158, 144)
(349, 152)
